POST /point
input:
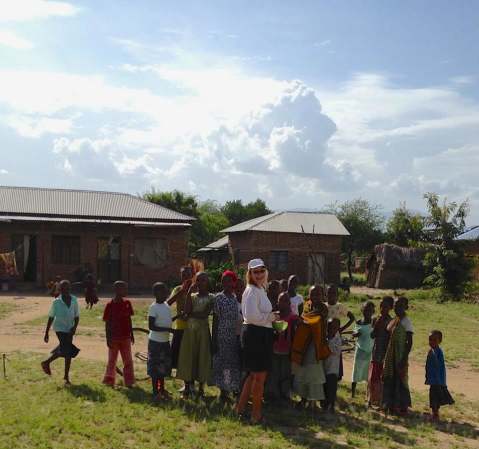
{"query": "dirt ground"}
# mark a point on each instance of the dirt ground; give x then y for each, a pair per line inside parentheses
(15, 336)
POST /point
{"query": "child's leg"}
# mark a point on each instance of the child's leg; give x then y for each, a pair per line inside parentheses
(110, 373)
(154, 385)
(68, 362)
(353, 389)
(334, 391)
(125, 351)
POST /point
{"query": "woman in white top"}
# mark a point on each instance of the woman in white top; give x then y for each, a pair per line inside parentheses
(257, 338)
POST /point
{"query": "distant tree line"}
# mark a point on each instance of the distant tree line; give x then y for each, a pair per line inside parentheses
(445, 264)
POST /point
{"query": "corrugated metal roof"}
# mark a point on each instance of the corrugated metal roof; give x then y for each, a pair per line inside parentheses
(472, 234)
(82, 203)
(10, 218)
(312, 223)
(218, 244)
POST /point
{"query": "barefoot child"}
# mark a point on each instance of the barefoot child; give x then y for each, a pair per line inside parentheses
(380, 337)
(64, 315)
(436, 376)
(159, 351)
(309, 350)
(119, 335)
(331, 365)
(194, 362)
(278, 383)
(396, 394)
(91, 297)
(364, 346)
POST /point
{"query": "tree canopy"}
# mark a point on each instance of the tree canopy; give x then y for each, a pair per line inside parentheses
(405, 228)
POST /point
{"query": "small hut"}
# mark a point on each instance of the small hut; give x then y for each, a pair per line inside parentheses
(392, 266)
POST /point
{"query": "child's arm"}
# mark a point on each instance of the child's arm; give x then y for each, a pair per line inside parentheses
(108, 333)
(153, 327)
(184, 288)
(408, 349)
(351, 321)
(74, 328)
(132, 336)
(214, 333)
(47, 330)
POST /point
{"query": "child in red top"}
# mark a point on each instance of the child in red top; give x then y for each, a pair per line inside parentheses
(278, 385)
(119, 335)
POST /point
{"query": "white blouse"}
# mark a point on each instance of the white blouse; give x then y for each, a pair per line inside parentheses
(256, 307)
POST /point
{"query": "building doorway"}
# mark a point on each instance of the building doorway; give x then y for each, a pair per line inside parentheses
(109, 259)
(316, 268)
(25, 247)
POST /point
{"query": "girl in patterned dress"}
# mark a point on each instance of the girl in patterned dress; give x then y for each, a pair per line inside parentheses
(226, 351)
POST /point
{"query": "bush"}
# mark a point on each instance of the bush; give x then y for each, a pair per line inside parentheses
(215, 272)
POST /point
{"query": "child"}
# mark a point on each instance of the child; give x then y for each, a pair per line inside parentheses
(396, 394)
(364, 346)
(226, 358)
(159, 350)
(380, 336)
(55, 287)
(315, 300)
(119, 335)
(309, 350)
(64, 315)
(331, 365)
(296, 299)
(91, 297)
(194, 362)
(436, 376)
(278, 384)
(283, 285)
(274, 290)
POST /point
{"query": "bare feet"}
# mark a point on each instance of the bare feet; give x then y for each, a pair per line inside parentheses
(46, 368)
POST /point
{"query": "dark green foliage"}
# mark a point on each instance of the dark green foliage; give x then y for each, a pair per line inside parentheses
(215, 273)
(405, 228)
(237, 212)
(446, 264)
(364, 221)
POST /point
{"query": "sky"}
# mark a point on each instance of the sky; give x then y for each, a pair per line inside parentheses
(299, 103)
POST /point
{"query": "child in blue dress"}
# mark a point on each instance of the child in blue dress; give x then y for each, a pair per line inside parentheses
(436, 376)
(364, 346)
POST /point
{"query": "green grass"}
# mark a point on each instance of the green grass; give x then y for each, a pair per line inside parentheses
(6, 309)
(38, 412)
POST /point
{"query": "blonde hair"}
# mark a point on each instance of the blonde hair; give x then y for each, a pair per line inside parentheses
(250, 280)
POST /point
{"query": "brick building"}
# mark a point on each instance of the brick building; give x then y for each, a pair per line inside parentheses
(470, 243)
(72, 232)
(278, 239)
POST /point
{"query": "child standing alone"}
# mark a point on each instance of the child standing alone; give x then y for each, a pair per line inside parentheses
(364, 346)
(119, 335)
(159, 350)
(436, 376)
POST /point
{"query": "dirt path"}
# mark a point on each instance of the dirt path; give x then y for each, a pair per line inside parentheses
(15, 336)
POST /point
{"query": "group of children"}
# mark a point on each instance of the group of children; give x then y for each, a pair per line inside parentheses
(307, 350)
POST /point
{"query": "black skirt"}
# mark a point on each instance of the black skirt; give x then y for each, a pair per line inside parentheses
(66, 348)
(175, 347)
(159, 359)
(257, 345)
(439, 395)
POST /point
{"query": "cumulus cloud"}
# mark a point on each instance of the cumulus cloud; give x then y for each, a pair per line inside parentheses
(37, 126)
(26, 10)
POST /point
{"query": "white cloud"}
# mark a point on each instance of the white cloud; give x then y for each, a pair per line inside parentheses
(3, 171)
(324, 43)
(26, 10)
(37, 126)
(10, 39)
(464, 79)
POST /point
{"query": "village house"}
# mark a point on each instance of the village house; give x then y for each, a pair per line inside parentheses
(470, 243)
(70, 233)
(307, 244)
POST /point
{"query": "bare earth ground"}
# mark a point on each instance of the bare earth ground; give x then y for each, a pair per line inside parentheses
(16, 336)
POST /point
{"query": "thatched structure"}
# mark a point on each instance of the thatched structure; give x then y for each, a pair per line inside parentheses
(392, 266)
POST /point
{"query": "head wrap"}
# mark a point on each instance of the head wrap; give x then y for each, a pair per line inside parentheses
(232, 274)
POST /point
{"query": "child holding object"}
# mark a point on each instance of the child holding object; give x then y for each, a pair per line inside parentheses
(380, 336)
(159, 350)
(119, 335)
(364, 346)
(436, 376)
(309, 350)
(64, 315)
(278, 383)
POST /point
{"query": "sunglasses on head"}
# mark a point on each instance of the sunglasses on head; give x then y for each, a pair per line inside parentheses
(259, 271)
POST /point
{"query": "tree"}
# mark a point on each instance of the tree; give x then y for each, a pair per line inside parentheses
(175, 200)
(446, 264)
(237, 212)
(213, 220)
(364, 221)
(405, 228)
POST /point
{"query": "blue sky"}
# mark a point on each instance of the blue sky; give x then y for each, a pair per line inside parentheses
(300, 103)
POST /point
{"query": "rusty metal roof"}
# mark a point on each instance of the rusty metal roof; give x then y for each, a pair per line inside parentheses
(311, 222)
(31, 201)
